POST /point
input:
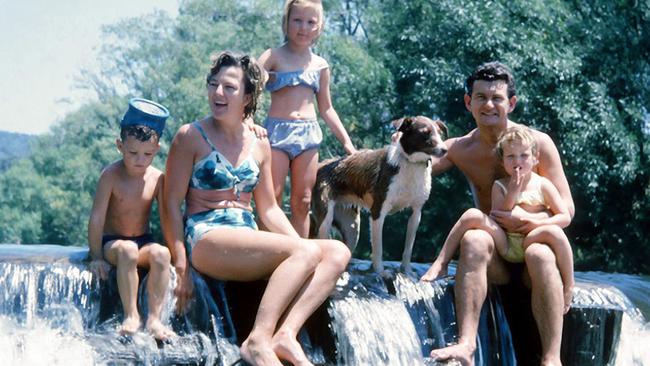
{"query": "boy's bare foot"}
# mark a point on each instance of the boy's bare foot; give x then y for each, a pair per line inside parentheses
(130, 325)
(258, 353)
(461, 352)
(158, 330)
(568, 297)
(287, 348)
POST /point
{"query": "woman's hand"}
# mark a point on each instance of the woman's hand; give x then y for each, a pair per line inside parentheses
(258, 130)
(184, 289)
(349, 149)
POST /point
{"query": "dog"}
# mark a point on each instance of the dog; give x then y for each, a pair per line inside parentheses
(382, 181)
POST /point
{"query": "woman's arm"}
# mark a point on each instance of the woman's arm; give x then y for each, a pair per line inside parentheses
(178, 171)
(329, 115)
(267, 208)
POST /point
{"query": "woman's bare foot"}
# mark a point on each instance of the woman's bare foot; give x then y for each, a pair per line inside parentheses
(287, 348)
(568, 297)
(158, 330)
(461, 352)
(130, 325)
(258, 353)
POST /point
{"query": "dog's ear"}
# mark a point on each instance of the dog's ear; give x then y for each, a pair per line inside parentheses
(442, 126)
(397, 123)
(405, 124)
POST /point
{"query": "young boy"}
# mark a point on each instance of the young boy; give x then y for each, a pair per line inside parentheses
(118, 229)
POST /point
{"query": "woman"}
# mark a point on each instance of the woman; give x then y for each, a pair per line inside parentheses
(216, 165)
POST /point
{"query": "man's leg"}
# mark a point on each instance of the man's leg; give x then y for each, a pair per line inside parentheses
(478, 260)
(547, 300)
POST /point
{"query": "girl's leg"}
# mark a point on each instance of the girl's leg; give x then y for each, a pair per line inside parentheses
(279, 170)
(554, 237)
(156, 258)
(315, 291)
(472, 219)
(123, 254)
(245, 255)
(303, 177)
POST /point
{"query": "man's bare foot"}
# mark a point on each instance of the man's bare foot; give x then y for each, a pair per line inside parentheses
(158, 330)
(258, 353)
(461, 352)
(130, 325)
(287, 348)
(568, 297)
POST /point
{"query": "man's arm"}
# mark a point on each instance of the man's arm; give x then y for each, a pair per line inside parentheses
(550, 167)
(444, 163)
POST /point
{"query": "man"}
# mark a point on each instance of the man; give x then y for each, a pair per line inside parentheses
(490, 97)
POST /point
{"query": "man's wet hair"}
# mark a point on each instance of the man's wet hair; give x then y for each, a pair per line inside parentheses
(140, 132)
(492, 71)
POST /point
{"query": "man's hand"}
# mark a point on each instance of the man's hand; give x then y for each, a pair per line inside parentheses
(436, 270)
(184, 289)
(99, 267)
(517, 220)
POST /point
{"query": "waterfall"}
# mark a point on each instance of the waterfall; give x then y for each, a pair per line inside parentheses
(54, 311)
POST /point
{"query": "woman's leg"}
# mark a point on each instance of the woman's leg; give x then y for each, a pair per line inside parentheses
(245, 255)
(303, 177)
(554, 237)
(315, 291)
(279, 170)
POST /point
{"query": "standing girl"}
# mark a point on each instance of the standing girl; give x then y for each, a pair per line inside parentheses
(295, 76)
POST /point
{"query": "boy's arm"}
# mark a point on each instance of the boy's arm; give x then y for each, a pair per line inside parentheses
(329, 115)
(96, 225)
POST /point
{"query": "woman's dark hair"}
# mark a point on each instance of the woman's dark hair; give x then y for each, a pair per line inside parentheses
(491, 71)
(253, 81)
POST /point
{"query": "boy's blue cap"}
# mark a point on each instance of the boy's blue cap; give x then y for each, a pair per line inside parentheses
(146, 113)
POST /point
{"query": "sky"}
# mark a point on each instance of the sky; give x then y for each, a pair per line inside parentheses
(44, 45)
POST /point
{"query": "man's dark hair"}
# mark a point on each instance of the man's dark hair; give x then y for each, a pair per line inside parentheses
(492, 71)
(140, 132)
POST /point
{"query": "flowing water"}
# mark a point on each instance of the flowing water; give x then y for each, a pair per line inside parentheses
(53, 311)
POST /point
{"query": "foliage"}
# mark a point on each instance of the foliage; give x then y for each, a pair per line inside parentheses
(583, 77)
(13, 146)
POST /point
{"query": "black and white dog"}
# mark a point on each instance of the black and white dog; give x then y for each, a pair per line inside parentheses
(383, 181)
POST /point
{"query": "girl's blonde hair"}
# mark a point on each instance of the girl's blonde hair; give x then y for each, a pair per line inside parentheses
(518, 134)
(314, 4)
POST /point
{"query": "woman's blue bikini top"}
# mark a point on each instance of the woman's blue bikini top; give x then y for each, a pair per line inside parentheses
(281, 79)
(214, 171)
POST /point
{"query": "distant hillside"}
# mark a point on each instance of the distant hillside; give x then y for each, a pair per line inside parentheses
(13, 146)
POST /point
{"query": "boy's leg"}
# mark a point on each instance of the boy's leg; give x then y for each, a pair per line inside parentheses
(554, 237)
(157, 259)
(124, 255)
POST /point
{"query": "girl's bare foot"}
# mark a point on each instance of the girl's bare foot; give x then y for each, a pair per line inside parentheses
(461, 352)
(287, 348)
(158, 330)
(258, 353)
(130, 325)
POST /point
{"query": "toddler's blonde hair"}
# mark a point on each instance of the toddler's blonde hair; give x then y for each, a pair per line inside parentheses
(518, 134)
